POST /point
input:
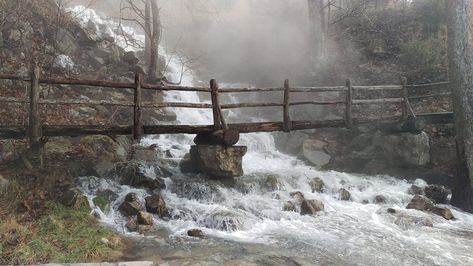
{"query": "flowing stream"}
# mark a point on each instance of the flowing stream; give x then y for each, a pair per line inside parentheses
(244, 222)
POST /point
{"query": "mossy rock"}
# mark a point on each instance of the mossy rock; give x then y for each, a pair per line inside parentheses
(59, 146)
(103, 199)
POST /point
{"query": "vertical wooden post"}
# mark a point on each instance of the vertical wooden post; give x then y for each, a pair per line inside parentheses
(137, 120)
(349, 105)
(219, 120)
(405, 96)
(287, 115)
(34, 126)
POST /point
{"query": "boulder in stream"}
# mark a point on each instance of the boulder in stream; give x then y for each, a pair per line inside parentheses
(289, 207)
(314, 151)
(156, 204)
(344, 195)
(420, 203)
(317, 185)
(145, 218)
(444, 212)
(131, 206)
(379, 199)
(195, 233)
(132, 174)
(218, 161)
(311, 207)
(298, 197)
(415, 190)
(438, 194)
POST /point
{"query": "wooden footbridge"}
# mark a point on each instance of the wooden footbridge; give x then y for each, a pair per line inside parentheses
(35, 130)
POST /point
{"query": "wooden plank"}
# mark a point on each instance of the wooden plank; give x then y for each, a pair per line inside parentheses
(318, 89)
(219, 120)
(90, 83)
(286, 107)
(436, 95)
(15, 77)
(173, 88)
(250, 105)
(137, 118)
(86, 102)
(34, 126)
(378, 88)
(378, 101)
(405, 96)
(428, 85)
(13, 100)
(349, 105)
(234, 90)
(318, 103)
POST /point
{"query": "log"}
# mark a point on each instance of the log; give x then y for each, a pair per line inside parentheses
(137, 118)
(286, 110)
(436, 95)
(349, 105)
(34, 126)
(224, 137)
(249, 105)
(414, 126)
(318, 103)
(219, 121)
(429, 85)
(378, 101)
(378, 88)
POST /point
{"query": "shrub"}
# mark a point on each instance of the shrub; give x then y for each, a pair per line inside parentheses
(424, 56)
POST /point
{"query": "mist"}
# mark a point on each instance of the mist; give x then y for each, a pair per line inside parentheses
(239, 41)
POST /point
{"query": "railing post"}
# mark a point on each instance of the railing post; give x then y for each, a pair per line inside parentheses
(137, 119)
(34, 126)
(287, 115)
(219, 120)
(405, 96)
(349, 105)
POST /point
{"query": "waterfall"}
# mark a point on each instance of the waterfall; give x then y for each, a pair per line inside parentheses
(250, 212)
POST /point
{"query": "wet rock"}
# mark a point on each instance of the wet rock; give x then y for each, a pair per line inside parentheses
(156, 204)
(133, 226)
(197, 190)
(225, 220)
(415, 190)
(132, 174)
(130, 58)
(379, 199)
(391, 210)
(344, 195)
(298, 197)
(365, 202)
(74, 198)
(289, 207)
(144, 218)
(272, 183)
(131, 206)
(406, 221)
(444, 212)
(407, 149)
(317, 185)
(218, 161)
(311, 207)
(314, 151)
(438, 194)
(195, 233)
(420, 203)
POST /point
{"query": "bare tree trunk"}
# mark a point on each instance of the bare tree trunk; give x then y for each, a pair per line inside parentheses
(154, 41)
(317, 32)
(460, 59)
(148, 32)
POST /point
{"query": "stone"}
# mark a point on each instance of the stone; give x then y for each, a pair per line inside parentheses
(317, 185)
(438, 194)
(131, 174)
(131, 206)
(218, 161)
(74, 198)
(195, 233)
(133, 226)
(311, 207)
(156, 204)
(391, 210)
(420, 203)
(444, 212)
(379, 199)
(272, 183)
(344, 195)
(289, 207)
(313, 151)
(415, 190)
(407, 149)
(145, 218)
(298, 197)
(130, 58)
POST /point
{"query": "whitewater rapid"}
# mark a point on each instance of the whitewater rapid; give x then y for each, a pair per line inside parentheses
(246, 219)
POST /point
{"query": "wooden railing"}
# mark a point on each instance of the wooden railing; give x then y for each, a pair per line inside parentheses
(35, 130)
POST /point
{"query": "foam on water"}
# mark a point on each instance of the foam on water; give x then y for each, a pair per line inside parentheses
(347, 232)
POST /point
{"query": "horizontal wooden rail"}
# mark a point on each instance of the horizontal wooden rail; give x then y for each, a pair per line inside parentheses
(448, 94)
(378, 88)
(378, 101)
(428, 85)
(318, 103)
(250, 105)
